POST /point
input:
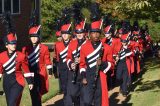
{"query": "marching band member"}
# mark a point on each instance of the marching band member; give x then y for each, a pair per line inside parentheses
(73, 56)
(61, 48)
(114, 43)
(95, 61)
(39, 59)
(123, 73)
(11, 64)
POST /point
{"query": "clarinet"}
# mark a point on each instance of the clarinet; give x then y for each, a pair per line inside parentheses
(74, 75)
(118, 55)
(97, 73)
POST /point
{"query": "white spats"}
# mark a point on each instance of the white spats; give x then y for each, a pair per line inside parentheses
(49, 66)
(82, 70)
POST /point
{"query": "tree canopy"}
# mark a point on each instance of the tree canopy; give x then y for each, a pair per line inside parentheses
(147, 11)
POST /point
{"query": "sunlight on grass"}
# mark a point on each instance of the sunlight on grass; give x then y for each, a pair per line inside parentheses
(147, 91)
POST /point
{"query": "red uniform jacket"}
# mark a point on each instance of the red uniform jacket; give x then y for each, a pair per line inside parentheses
(140, 40)
(137, 48)
(73, 51)
(115, 44)
(132, 47)
(61, 53)
(44, 62)
(128, 57)
(15, 64)
(88, 56)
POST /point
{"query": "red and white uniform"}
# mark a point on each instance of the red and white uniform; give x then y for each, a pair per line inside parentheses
(135, 47)
(128, 56)
(131, 46)
(73, 51)
(61, 53)
(88, 62)
(41, 56)
(114, 43)
(14, 66)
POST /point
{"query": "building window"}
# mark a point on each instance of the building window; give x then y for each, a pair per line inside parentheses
(33, 5)
(16, 6)
(12, 6)
(7, 5)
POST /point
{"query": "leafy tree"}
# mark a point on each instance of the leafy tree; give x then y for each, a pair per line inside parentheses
(50, 11)
(143, 10)
(132, 8)
(146, 11)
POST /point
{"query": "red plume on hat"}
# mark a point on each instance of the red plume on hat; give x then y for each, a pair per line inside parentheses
(107, 29)
(96, 26)
(79, 28)
(10, 36)
(124, 38)
(58, 33)
(34, 26)
(96, 21)
(135, 32)
(65, 28)
(34, 30)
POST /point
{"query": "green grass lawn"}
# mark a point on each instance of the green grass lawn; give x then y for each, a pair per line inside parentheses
(146, 91)
(26, 101)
